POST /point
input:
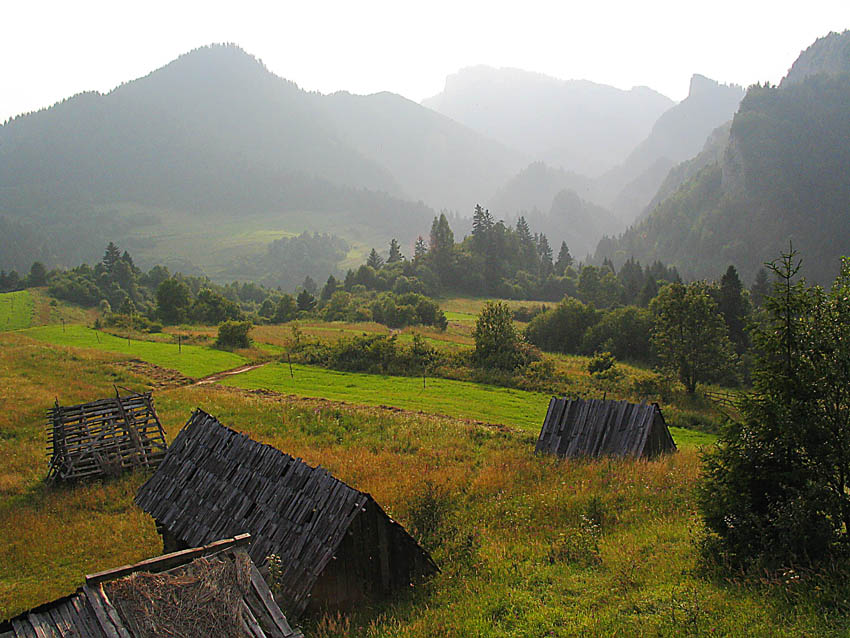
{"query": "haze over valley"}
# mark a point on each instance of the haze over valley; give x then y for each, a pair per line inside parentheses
(203, 163)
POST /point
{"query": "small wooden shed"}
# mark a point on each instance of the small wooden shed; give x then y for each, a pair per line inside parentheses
(104, 437)
(595, 427)
(214, 591)
(336, 545)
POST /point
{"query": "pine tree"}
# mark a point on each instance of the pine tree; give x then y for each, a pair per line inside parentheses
(374, 260)
(110, 257)
(305, 301)
(544, 251)
(760, 288)
(331, 286)
(309, 285)
(442, 238)
(733, 307)
(649, 290)
(565, 260)
(420, 249)
(395, 252)
(482, 227)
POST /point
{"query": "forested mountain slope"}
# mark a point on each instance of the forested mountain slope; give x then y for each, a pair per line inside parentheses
(782, 177)
(215, 137)
(677, 136)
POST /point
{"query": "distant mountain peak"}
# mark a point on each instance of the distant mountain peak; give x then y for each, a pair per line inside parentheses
(701, 84)
(829, 54)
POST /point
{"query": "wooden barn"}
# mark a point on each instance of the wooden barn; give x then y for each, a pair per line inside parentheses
(214, 591)
(594, 427)
(336, 545)
(104, 437)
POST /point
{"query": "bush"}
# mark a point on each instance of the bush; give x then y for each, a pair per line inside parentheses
(562, 328)
(601, 362)
(497, 344)
(234, 334)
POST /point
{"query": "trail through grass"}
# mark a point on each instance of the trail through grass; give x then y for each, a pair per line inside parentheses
(193, 361)
(15, 310)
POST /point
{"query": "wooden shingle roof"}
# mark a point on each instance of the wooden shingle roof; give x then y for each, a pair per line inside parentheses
(217, 482)
(594, 427)
(214, 578)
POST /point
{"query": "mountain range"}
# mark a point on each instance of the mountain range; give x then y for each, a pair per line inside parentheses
(212, 160)
(775, 178)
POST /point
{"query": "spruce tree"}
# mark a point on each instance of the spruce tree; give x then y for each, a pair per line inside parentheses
(733, 307)
(420, 249)
(395, 252)
(110, 257)
(565, 260)
(760, 288)
(374, 260)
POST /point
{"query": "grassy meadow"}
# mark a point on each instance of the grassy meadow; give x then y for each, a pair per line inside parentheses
(190, 360)
(528, 545)
(15, 310)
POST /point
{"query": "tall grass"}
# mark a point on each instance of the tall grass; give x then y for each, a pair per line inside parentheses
(528, 545)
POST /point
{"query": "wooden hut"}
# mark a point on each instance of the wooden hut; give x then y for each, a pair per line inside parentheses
(336, 545)
(214, 591)
(594, 427)
(104, 437)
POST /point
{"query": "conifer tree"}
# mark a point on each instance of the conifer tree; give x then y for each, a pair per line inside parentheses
(760, 288)
(565, 259)
(420, 249)
(395, 252)
(733, 307)
(374, 260)
(110, 257)
(330, 287)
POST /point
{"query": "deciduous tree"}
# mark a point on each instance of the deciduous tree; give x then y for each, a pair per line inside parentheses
(689, 335)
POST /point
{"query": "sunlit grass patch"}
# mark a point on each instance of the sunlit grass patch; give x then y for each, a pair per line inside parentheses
(190, 360)
(15, 310)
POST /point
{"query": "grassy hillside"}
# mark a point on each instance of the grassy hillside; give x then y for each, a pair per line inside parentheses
(527, 545)
(193, 361)
(15, 310)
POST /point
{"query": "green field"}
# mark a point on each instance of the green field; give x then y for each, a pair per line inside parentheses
(527, 545)
(193, 361)
(15, 310)
(459, 399)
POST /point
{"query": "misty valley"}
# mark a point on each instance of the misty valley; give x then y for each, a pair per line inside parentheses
(530, 357)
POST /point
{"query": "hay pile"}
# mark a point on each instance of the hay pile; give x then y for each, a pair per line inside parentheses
(203, 598)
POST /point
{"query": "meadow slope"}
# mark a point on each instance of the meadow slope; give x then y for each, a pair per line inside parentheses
(528, 545)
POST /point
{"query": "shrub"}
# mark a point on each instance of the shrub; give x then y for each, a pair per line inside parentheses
(601, 362)
(497, 344)
(562, 328)
(234, 334)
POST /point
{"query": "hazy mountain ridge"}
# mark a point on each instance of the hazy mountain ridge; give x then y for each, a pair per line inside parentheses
(433, 158)
(576, 125)
(781, 177)
(678, 135)
(217, 135)
(620, 195)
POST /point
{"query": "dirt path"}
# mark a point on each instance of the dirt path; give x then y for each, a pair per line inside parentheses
(218, 376)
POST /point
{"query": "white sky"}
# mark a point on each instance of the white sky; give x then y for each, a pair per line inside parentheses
(51, 50)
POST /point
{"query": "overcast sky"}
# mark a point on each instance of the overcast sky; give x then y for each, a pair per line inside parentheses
(51, 50)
